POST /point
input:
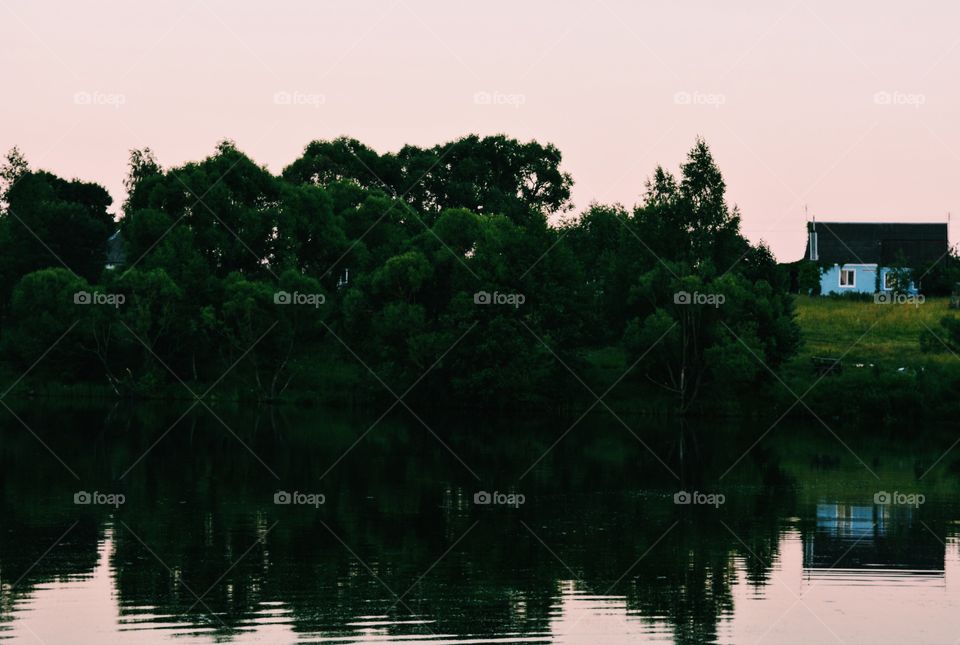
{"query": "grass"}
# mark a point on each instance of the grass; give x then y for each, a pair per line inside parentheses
(886, 376)
(887, 336)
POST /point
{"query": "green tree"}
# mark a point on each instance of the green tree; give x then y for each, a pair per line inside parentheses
(143, 173)
(710, 309)
(147, 323)
(230, 205)
(488, 175)
(49, 222)
(14, 167)
(51, 313)
(266, 328)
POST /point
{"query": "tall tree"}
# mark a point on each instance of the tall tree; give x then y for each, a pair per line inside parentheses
(709, 308)
(49, 221)
(489, 175)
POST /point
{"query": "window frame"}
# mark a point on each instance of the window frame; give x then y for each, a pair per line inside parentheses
(853, 283)
(887, 276)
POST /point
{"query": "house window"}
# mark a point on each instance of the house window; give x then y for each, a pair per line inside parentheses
(848, 278)
(889, 281)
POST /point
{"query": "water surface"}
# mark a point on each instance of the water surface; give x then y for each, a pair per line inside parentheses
(801, 549)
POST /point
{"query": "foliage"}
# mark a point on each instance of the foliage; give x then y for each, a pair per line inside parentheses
(808, 278)
(431, 271)
(43, 309)
(703, 307)
(485, 175)
(940, 278)
(944, 339)
(48, 221)
(901, 275)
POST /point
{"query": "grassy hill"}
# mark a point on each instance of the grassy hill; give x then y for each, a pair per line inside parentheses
(886, 335)
(886, 376)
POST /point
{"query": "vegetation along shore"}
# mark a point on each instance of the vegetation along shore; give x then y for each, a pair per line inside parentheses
(457, 275)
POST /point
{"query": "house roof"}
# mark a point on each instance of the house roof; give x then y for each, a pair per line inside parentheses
(116, 252)
(879, 243)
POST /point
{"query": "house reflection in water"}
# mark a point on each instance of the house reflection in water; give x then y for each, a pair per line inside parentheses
(854, 542)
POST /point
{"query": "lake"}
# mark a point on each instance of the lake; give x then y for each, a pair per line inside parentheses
(157, 523)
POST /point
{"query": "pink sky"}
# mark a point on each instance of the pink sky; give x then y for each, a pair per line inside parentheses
(848, 107)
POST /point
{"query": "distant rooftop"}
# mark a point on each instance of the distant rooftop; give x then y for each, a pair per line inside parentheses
(879, 242)
(116, 252)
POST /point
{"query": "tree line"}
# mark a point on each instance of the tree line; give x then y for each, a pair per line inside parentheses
(456, 273)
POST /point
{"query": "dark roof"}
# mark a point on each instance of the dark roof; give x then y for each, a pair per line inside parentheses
(879, 243)
(116, 252)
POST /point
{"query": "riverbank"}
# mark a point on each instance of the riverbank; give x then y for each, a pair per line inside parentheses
(884, 375)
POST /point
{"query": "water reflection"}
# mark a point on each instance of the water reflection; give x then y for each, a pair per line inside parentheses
(399, 552)
(867, 543)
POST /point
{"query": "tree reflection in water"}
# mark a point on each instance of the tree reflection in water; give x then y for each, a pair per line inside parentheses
(399, 547)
